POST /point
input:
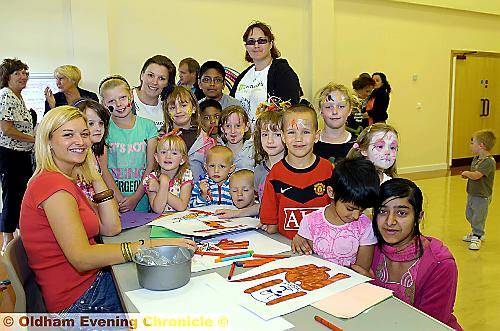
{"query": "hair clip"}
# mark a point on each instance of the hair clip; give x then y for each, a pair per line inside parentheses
(273, 104)
(175, 132)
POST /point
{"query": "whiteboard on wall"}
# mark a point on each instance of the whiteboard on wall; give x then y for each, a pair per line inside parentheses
(33, 94)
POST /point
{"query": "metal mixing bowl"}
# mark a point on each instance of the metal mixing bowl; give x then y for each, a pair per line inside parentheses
(167, 277)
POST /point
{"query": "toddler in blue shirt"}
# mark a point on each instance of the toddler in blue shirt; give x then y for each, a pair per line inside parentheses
(213, 189)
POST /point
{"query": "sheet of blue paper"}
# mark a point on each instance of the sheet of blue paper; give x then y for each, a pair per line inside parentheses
(132, 219)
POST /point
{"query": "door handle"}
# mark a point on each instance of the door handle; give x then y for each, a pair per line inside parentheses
(487, 107)
(483, 105)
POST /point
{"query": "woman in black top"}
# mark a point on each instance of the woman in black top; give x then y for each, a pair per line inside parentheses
(268, 75)
(67, 79)
(379, 100)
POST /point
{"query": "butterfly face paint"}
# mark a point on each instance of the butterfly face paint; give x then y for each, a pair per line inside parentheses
(383, 149)
(234, 128)
(335, 110)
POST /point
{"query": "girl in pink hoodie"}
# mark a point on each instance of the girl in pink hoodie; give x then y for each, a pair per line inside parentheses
(420, 270)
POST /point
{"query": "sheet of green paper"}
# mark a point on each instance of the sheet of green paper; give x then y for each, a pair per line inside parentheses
(161, 232)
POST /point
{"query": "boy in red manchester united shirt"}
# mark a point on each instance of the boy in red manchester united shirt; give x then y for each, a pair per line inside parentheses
(297, 184)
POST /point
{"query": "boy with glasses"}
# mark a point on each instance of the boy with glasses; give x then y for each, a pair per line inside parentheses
(211, 79)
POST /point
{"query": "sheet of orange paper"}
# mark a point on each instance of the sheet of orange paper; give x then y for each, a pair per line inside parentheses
(353, 301)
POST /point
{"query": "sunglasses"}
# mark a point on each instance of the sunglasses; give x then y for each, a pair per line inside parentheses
(260, 41)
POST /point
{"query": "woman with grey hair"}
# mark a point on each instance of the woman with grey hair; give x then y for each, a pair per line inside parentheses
(67, 79)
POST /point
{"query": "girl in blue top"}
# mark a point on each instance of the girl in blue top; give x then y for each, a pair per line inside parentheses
(131, 145)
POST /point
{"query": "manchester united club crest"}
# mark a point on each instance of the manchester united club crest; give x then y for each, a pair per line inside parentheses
(319, 188)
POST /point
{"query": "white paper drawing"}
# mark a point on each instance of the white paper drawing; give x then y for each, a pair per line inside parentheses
(201, 222)
(196, 299)
(283, 286)
(258, 243)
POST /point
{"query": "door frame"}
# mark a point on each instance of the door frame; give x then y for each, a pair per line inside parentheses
(451, 112)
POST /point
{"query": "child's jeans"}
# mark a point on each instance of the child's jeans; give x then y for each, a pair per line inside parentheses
(476, 212)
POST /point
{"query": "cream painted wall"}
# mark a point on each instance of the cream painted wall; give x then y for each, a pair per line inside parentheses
(46, 34)
(32, 27)
(479, 6)
(401, 40)
(323, 40)
(210, 29)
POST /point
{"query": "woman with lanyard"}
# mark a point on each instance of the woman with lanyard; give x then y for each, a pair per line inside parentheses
(16, 144)
(268, 76)
(420, 270)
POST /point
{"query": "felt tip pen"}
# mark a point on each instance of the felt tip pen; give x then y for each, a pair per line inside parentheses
(237, 254)
(235, 257)
(231, 272)
(327, 323)
(267, 256)
(253, 263)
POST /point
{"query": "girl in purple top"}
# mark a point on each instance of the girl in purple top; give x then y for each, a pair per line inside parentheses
(419, 270)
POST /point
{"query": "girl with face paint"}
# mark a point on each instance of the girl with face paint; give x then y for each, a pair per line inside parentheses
(131, 143)
(269, 150)
(181, 112)
(420, 270)
(379, 144)
(335, 103)
(234, 129)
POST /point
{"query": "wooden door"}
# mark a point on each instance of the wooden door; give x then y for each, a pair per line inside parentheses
(492, 120)
(470, 74)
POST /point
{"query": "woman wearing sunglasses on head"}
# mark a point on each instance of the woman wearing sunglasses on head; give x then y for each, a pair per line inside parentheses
(268, 75)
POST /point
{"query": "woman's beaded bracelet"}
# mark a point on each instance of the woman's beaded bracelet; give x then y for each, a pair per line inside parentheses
(103, 196)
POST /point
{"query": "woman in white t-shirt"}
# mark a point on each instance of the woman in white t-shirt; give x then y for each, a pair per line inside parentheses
(157, 73)
(267, 76)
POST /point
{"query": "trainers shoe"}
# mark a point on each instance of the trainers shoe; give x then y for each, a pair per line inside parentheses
(475, 243)
(468, 237)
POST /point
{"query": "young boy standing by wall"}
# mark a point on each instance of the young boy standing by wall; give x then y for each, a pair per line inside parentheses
(479, 185)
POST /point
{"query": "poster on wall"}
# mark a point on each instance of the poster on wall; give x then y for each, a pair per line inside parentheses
(33, 94)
